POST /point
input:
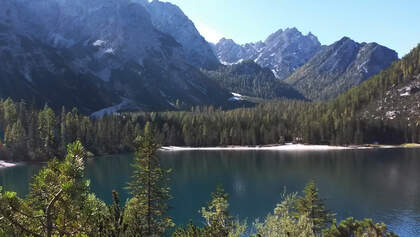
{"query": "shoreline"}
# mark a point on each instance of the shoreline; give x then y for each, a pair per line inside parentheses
(5, 164)
(275, 147)
(287, 147)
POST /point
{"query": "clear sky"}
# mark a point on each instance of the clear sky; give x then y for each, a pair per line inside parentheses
(393, 23)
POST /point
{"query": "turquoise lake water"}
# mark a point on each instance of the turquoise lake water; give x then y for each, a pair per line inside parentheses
(383, 184)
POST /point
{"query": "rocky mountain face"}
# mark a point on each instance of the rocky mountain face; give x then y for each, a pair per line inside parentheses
(400, 101)
(250, 79)
(283, 52)
(170, 19)
(95, 54)
(110, 55)
(339, 67)
(33, 70)
(400, 98)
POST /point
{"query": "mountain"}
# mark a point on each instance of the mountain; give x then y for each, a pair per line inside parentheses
(249, 79)
(96, 54)
(339, 67)
(170, 19)
(283, 51)
(394, 94)
(35, 72)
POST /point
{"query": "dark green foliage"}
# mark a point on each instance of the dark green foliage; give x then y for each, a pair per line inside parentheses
(349, 119)
(216, 215)
(218, 221)
(59, 202)
(145, 213)
(190, 230)
(311, 205)
(248, 78)
(354, 228)
(116, 226)
(306, 215)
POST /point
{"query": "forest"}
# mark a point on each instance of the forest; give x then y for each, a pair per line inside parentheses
(60, 203)
(250, 79)
(32, 134)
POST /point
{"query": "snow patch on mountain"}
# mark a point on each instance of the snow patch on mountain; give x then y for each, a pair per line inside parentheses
(99, 43)
(112, 109)
(236, 97)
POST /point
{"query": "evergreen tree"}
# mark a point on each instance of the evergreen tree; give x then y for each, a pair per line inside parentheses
(354, 228)
(145, 213)
(59, 202)
(282, 222)
(47, 134)
(116, 225)
(313, 207)
(216, 214)
(217, 218)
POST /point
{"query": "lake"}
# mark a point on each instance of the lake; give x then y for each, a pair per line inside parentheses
(382, 184)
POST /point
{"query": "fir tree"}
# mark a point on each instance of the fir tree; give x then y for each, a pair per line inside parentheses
(145, 213)
(312, 206)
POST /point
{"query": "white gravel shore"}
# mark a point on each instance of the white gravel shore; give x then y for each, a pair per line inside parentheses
(4, 164)
(287, 147)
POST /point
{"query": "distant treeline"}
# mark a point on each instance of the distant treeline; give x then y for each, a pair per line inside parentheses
(34, 134)
(30, 134)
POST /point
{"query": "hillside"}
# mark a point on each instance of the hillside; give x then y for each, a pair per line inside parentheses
(100, 54)
(250, 79)
(392, 95)
(170, 19)
(339, 67)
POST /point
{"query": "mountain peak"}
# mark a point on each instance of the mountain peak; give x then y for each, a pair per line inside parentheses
(292, 30)
(171, 20)
(345, 39)
(283, 51)
(226, 40)
(339, 67)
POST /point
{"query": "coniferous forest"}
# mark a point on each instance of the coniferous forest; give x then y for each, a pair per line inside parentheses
(86, 86)
(32, 134)
(61, 204)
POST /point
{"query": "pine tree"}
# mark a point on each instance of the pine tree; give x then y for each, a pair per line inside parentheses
(216, 213)
(116, 225)
(282, 222)
(59, 202)
(145, 213)
(47, 131)
(15, 140)
(354, 228)
(218, 221)
(311, 205)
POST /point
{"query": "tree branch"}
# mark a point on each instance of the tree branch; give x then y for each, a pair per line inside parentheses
(15, 223)
(48, 210)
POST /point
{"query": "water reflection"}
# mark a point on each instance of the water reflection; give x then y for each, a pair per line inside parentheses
(382, 184)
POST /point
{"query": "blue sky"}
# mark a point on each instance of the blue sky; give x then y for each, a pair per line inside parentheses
(393, 23)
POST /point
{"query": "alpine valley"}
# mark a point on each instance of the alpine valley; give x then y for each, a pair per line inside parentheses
(105, 56)
(118, 119)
